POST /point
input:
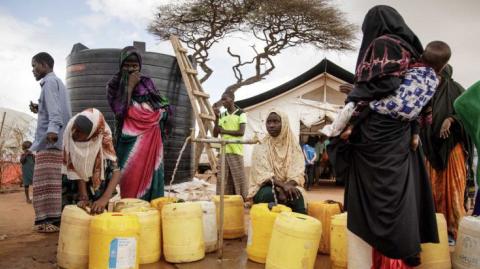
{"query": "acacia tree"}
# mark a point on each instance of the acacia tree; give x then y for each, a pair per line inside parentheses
(275, 24)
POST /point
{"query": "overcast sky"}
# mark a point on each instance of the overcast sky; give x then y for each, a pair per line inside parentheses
(31, 26)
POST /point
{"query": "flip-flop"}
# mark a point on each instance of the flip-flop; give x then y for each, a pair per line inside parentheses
(38, 228)
(50, 228)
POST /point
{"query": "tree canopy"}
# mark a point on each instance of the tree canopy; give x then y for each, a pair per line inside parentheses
(275, 24)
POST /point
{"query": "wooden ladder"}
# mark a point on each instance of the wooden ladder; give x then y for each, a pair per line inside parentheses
(202, 109)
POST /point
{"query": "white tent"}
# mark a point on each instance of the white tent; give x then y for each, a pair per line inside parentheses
(308, 100)
(16, 127)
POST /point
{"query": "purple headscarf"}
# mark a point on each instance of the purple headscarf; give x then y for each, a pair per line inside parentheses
(145, 90)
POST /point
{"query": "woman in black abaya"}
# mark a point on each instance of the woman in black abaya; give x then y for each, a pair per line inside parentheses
(389, 200)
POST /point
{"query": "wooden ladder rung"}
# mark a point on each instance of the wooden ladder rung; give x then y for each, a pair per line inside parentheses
(198, 97)
(201, 94)
(191, 71)
(207, 116)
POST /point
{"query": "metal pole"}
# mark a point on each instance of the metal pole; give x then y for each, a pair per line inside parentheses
(222, 192)
(222, 143)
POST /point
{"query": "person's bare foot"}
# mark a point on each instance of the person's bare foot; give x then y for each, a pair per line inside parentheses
(29, 201)
(346, 133)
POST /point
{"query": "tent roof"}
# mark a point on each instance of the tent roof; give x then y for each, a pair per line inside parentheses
(324, 66)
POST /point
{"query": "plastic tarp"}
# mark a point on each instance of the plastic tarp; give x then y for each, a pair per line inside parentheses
(10, 173)
(299, 111)
(195, 190)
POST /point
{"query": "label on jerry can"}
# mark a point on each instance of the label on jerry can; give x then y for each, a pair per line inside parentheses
(123, 253)
(466, 252)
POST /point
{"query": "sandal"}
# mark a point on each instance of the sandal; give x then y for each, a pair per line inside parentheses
(49, 228)
(38, 228)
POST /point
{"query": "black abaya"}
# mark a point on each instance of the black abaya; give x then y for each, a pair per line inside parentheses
(388, 196)
(390, 203)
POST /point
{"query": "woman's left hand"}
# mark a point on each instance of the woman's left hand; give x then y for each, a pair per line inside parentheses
(291, 191)
(445, 129)
(99, 206)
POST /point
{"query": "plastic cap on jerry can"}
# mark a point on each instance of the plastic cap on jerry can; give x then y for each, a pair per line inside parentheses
(149, 249)
(72, 250)
(114, 241)
(294, 242)
(182, 226)
(262, 219)
(233, 218)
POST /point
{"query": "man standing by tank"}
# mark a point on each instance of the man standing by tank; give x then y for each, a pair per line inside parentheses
(231, 126)
(54, 111)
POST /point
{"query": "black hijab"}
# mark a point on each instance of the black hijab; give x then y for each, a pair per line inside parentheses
(438, 149)
(385, 20)
(388, 47)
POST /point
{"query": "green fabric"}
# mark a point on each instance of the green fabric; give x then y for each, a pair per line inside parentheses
(231, 122)
(157, 185)
(265, 195)
(319, 147)
(123, 149)
(27, 170)
(467, 107)
(157, 189)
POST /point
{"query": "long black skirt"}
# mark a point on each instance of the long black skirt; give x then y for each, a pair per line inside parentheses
(388, 195)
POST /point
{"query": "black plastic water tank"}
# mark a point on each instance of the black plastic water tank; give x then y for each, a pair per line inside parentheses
(89, 70)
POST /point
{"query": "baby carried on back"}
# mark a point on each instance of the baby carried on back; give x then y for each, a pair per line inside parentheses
(407, 102)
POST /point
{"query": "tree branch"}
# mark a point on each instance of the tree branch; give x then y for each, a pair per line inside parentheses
(278, 24)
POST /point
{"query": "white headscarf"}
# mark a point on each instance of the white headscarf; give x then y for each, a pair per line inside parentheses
(279, 156)
(83, 159)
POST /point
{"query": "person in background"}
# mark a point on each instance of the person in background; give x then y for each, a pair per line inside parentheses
(28, 162)
(231, 125)
(319, 148)
(327, 170)
(88, 153)
(310, 158)
(448, 150)
(466, 105)
(141, 118)
(278, 159)
(54, 112)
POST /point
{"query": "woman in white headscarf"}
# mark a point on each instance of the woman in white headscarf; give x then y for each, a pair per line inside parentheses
(278, 160)
(87, 148)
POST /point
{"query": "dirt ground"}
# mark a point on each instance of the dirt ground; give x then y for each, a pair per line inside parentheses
(22, 248)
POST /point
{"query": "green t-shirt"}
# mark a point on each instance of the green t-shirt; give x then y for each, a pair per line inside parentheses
(231, 122)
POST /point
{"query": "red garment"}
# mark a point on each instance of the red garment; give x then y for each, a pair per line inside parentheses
(142, 142)
(381, 262)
